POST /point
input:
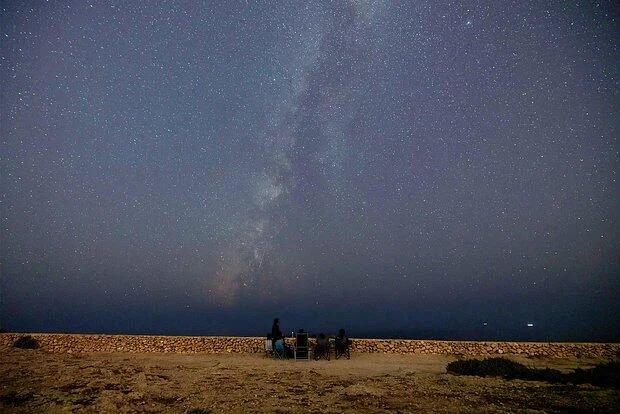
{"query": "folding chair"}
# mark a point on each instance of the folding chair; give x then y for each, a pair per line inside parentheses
(268, 347)
(301, 350)
(279, 352)
(322, 348)
(342, 347)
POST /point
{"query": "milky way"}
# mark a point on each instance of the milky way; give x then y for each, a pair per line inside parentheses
(388, 167)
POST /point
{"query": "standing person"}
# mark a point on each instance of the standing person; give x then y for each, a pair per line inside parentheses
(276, 333)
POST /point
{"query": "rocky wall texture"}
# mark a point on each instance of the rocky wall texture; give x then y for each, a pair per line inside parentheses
(81, 343)
(473, 348)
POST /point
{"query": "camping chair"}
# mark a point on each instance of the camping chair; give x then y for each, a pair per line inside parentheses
(342, 347)
(279, 351)
(301, 350)
(268, 347)
(322, 348)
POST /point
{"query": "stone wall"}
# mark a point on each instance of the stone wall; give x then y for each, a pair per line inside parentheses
(78, 343)
(473, 348)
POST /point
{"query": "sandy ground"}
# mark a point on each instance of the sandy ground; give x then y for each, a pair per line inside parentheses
(35, 381)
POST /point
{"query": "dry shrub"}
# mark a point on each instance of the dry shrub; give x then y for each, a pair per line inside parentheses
(26, 342)
(603, 375)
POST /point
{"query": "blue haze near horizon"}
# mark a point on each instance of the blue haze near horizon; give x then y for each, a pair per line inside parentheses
(412, 169)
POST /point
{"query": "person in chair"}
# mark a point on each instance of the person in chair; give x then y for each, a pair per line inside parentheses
(321, 349)
(342, 344)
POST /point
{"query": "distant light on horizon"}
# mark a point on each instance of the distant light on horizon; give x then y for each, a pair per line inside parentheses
(530, 324)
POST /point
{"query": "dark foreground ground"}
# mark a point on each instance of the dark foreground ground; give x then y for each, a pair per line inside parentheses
(35, 381)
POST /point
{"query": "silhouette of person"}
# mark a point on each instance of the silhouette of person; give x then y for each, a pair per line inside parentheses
(322, 347)
(276, 336)
(276, 333)
(341, 341)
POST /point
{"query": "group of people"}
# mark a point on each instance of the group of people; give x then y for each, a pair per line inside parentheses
(322, 347)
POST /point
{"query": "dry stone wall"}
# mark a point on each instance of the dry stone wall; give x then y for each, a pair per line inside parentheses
(79, 343)
(474, 348)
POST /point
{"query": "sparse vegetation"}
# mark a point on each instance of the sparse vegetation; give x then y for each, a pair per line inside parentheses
(26, 342)
(603, 375)
(12, 398)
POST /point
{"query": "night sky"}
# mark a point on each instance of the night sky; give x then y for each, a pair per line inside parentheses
(416, 168)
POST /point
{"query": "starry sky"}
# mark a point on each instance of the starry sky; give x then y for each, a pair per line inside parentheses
(415, 168)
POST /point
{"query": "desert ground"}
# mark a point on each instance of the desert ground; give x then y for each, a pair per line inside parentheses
(37, 381)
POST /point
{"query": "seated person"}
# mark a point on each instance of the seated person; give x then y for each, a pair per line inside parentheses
(342, 343)
(322, 347)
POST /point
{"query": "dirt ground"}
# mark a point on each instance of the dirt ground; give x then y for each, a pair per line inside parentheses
(36, 381)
